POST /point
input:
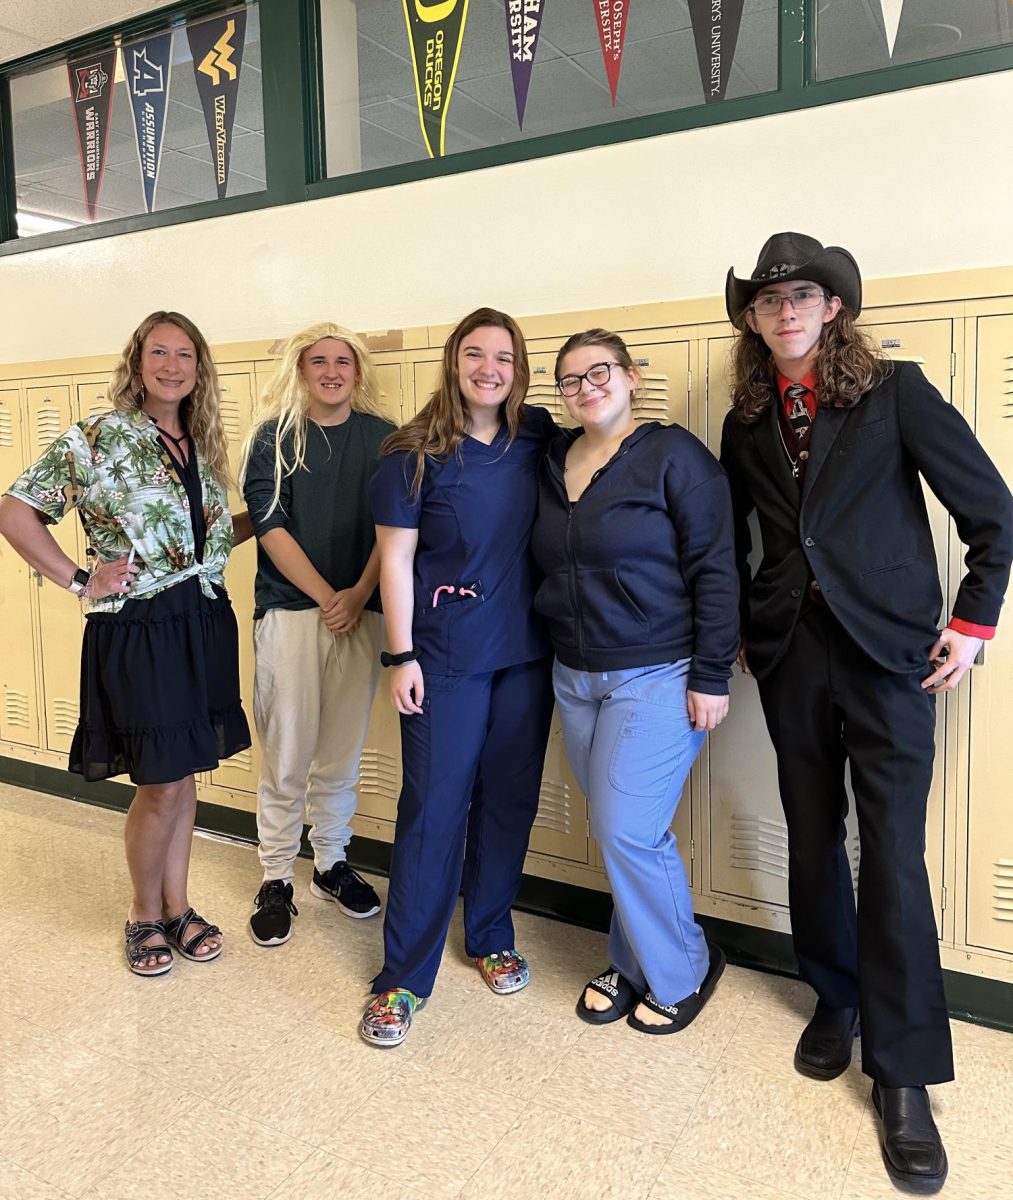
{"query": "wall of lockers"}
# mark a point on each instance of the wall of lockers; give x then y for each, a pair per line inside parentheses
(959, 328)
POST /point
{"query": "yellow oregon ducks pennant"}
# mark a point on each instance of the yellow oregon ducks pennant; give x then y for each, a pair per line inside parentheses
(436, 32)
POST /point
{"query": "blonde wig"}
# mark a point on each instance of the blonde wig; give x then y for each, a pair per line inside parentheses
(287, 399)
(199, 412)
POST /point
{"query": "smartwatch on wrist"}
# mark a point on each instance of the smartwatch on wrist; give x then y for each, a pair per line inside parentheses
(398, 660)
(78, 581)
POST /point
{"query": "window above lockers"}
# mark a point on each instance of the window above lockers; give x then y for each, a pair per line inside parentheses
(407, 80)
(136, 124)
(854, 36)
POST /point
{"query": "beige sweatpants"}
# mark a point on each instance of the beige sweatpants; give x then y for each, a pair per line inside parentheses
(312, 699)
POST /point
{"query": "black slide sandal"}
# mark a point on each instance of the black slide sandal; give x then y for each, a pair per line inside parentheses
(614, 987)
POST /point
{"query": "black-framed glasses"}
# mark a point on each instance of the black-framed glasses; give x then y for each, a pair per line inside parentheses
(597, 375)
(771, 303)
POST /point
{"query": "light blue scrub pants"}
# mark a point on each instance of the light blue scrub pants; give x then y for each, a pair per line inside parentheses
(630, 744)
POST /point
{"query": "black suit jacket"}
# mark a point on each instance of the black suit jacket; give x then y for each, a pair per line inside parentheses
(860, 525)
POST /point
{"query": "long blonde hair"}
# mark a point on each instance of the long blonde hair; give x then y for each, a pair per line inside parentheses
(199, 412)
(440, 427)
(287, 400)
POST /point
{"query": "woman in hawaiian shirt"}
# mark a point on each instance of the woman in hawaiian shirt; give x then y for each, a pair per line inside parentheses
(159, 664)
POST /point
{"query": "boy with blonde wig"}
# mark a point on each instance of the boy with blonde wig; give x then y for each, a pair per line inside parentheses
(318, 628)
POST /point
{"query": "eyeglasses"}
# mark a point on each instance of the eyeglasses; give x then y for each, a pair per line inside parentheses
(770, 304)
(597, 375)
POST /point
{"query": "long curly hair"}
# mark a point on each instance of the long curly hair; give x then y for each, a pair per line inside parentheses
(199, 412)
(287, 399)
(847, 366)
(443, 423)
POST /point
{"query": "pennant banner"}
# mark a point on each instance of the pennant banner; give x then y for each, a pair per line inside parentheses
(612, 17)
(147, 64)
(217, 50)
(91, 94)
(891, 10)
(435, 33)
(524, 24)
(715, 30)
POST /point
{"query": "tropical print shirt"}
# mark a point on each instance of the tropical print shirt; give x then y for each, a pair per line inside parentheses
(115, 470)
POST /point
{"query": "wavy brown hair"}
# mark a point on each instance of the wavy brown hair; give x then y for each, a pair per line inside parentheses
(608, 341)
(199, 412)
(847, 366)
(440, 427)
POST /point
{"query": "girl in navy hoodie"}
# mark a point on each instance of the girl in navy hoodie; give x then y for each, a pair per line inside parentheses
(634, 539)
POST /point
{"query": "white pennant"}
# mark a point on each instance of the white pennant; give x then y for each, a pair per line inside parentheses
(891, 19)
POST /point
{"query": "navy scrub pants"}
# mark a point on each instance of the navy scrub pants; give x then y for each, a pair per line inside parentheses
(472, 763)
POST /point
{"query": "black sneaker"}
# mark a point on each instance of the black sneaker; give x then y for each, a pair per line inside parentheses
(271, 923)
(350, 891)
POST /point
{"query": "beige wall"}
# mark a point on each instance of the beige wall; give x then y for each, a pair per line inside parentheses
(914, 182)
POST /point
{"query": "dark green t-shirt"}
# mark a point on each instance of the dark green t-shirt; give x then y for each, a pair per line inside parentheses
(324, 506)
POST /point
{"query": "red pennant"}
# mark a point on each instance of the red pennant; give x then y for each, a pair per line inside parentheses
(612, 18)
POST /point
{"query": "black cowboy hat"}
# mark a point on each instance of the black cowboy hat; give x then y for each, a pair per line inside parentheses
(788, 256)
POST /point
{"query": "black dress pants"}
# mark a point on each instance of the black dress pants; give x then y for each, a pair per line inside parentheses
(827, 703)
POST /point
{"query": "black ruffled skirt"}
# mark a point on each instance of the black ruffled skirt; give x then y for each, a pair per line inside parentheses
(160, 688)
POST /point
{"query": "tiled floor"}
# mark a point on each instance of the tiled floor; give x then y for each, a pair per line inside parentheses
(245, 1080)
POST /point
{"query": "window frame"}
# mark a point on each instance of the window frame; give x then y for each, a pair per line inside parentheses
(292, 76)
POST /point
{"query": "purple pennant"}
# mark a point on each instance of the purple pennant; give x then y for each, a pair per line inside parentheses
(524, 24)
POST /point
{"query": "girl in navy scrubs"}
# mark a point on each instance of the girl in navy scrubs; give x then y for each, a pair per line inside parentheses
(454, 500)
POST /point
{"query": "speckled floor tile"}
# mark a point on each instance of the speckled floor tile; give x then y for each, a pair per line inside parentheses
(18, 1184)
(509, 1041)
(79, 1136)
(688, 1179)
(548, 1153)
(325, 1177)
(34, 1065)
(318, 1078)
(184, 1161)
(794, 1136)
(629, 1083)
(426, 1130)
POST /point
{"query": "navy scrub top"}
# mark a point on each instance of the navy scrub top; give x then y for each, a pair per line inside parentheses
(474, 517)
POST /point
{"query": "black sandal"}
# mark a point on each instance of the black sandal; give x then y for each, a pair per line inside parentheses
(137, 934)
(174, 931)
(684, 1011)
(614, 987)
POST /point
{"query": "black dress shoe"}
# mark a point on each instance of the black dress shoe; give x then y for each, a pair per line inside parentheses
(824, 1049)
(913, 1151)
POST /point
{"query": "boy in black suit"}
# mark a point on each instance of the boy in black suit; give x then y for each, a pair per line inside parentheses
(829, 442)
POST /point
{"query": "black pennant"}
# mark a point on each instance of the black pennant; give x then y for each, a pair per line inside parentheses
(217, 50)
(716, 31)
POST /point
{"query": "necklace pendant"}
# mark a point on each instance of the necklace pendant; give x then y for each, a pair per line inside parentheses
(794, 470)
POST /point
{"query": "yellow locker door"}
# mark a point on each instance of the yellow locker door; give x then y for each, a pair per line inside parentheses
(990, 814)
(241, 771)
(19, 719)
(424, 373)
(93, 396)
(748, 840)
(50, 413)
(390, 376)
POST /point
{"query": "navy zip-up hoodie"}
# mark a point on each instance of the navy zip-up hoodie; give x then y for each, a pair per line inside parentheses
(641, 569)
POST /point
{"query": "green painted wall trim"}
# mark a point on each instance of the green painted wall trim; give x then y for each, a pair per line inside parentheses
(293, 120)
(969, 997)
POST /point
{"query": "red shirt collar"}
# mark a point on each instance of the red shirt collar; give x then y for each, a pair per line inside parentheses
(808, 381)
